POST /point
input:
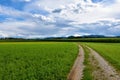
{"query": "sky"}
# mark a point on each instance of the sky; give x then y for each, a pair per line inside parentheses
(59, 18)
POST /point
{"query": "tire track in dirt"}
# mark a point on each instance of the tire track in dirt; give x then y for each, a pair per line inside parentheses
(105, 71)
(76, 73)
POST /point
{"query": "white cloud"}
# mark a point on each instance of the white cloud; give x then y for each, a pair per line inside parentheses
(44, 18)
(27, 0)
(3, 35)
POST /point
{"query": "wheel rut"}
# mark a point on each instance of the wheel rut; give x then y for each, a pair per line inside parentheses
(76, 72)
(102, 69)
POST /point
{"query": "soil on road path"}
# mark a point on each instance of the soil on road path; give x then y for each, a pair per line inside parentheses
(76, 72)
(102, 69)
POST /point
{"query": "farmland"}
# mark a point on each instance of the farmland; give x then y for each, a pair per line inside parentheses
(36, 60)
(55, 60)
(110, 51)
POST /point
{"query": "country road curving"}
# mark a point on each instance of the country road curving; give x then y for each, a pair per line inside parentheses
(76, 72)
(102, 70)
(107, 71)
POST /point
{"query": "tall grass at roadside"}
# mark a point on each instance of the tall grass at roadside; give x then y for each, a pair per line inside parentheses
(87, 73)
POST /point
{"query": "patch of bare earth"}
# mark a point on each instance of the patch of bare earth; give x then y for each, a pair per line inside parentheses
(76, 72)
(102, 70)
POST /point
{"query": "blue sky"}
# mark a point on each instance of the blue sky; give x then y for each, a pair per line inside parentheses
(56, 18)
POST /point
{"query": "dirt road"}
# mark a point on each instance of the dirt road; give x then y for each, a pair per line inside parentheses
(105, 71)
(76, 72)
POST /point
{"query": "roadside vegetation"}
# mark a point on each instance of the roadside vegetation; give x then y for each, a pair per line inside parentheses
(88, 67)
(36, 60)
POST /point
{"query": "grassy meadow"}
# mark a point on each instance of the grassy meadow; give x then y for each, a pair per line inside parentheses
(36, 60)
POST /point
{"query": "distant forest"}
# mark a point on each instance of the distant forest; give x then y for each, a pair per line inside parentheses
(88, 38)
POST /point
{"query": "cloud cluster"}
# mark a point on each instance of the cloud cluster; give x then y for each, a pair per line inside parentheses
(43, 18)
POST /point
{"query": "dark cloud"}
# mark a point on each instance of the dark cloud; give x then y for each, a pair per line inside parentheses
(57, 10)
(101, 28)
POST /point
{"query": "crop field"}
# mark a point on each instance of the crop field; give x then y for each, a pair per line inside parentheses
(110, 51)
(36, 60)
(54, 60)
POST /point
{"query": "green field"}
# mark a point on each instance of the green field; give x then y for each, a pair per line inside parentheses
(110, 51)
(50, 60)
(36, 60)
